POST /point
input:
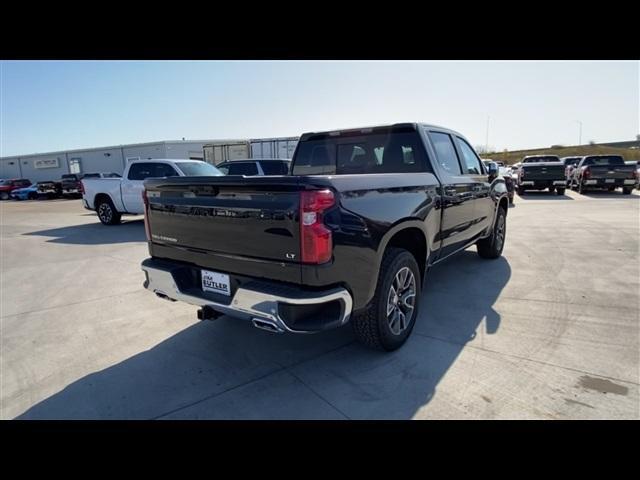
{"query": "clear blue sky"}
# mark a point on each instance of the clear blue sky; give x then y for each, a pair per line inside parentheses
(47, 106)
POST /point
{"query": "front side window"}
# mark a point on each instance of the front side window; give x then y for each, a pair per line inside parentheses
(243, 168)
(275, 168)
(470, 161)
(446, 152)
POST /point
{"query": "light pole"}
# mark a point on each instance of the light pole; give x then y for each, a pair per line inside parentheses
(579, 133)
(486, 139)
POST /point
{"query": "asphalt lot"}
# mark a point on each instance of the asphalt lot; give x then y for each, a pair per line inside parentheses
(549, 331)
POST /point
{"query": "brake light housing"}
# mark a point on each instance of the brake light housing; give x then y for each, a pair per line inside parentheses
(145, 200)
(316, 243)
(81, 187)
(586, 173)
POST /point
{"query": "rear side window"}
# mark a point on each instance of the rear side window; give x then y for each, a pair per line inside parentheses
(275, 168)
(242, 168)
(446, 152)
(142, 171)
(471, 162)
(358, 153)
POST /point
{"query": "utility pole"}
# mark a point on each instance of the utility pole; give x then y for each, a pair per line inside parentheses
(486, 140)
(579, 133)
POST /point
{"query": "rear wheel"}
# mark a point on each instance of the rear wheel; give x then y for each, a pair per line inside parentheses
(552, 189)
(4, 195)
(611, 189)
(107, 213)
(626, 191)
(520, 191)
(560, 191)
(492, 246)
(32, 196)
(390, 316)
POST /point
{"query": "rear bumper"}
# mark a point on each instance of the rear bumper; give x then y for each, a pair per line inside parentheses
(612, 182)
(540, 184)
(290, 309)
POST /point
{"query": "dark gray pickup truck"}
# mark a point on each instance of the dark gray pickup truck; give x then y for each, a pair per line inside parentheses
(348, 236)
(603, 172)
(539, 172)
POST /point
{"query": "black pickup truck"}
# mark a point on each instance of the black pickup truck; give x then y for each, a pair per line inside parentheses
(538, 172)
(348, 236)
(603, 172)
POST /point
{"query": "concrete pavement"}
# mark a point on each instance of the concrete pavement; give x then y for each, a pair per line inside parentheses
(551, 330)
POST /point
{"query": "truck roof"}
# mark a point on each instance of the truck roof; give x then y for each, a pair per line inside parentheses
(414, 125)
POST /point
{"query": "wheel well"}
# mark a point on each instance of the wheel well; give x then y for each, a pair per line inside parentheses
(413, 240)
(504, 203)
(100, 197)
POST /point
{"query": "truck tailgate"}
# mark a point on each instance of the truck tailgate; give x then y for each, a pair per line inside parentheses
(617, 172)
(242, 225)
(543, 171)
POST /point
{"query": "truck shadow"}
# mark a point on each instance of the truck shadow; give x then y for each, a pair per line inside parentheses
(606, 194)
(228, 369)
(545, 195)
(95, 233)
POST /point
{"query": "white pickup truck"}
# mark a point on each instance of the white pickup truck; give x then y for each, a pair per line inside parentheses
(113, 197)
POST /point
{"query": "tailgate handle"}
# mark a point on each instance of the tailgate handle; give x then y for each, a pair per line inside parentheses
(204, 190)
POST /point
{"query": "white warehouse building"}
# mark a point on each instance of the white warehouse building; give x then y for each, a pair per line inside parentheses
(50, 166)
(39, 167)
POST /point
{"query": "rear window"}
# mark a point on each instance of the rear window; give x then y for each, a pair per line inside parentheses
(609, 160)
(275, 168)
(69, 177)
(199, 169)
(376, 152)
(90, 175)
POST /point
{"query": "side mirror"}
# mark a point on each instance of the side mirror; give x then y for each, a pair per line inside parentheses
(492, 169)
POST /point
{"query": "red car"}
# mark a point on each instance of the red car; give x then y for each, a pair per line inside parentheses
(7, 186)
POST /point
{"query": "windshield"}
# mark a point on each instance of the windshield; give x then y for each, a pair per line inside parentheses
(198, 169)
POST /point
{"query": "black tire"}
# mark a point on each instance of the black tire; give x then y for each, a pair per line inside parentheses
(492, 246)
(626, 191)
(107, 213)
(32, 196)
(552, 189)
(520, 191)
(372, 327)
(611, 189)
(560, 191)
(4, 195)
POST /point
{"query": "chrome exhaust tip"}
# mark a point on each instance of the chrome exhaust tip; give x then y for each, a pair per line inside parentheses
(164, 296)
(267, 325)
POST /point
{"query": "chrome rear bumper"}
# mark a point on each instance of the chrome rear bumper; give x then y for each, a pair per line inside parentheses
(253, 301)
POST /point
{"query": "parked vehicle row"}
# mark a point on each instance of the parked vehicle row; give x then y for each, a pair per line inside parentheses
(347, 236)
(539, 172)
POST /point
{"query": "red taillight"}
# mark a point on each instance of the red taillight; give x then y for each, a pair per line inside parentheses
(81, 187)
(586, 173)
(147, 229)
(315, 238)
